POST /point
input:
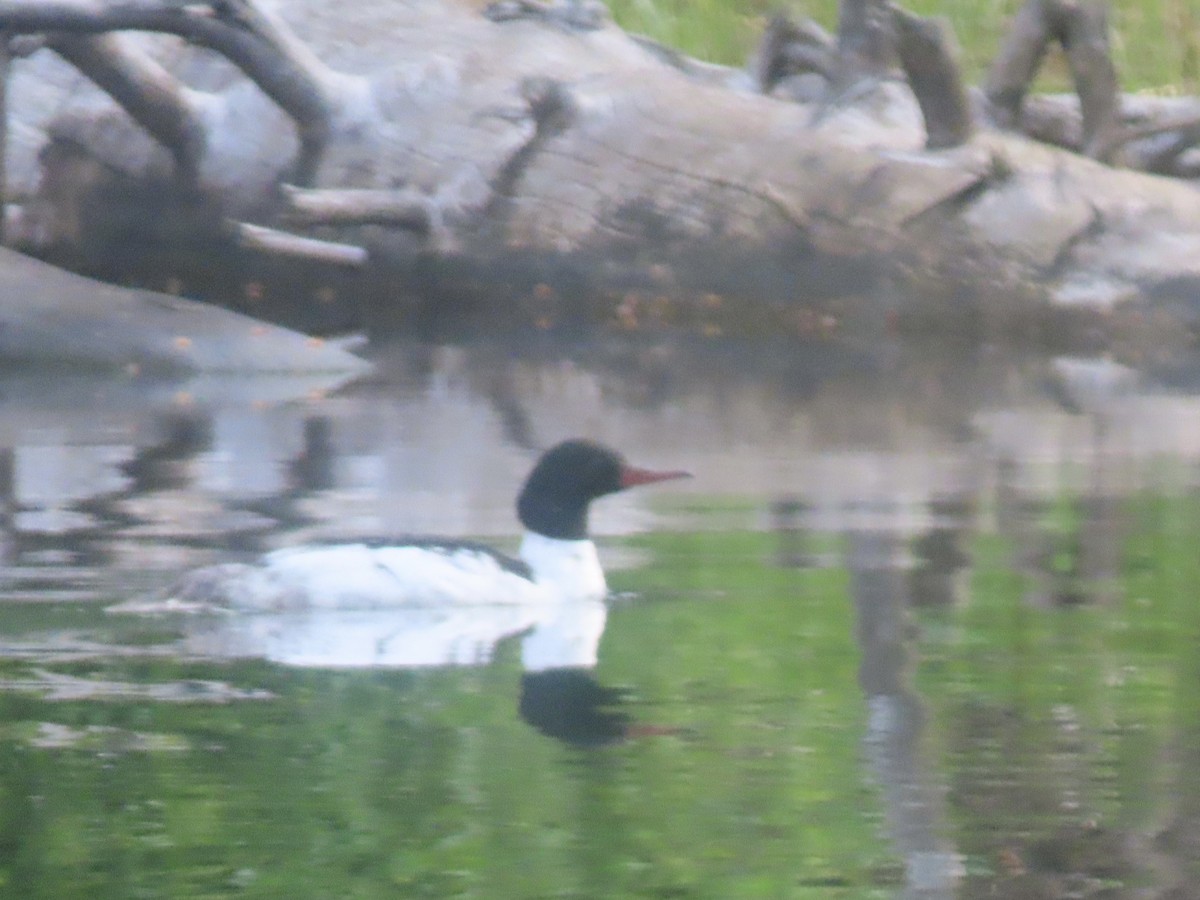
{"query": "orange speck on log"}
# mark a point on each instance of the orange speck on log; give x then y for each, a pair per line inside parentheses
(182, 342)
(627, 311)
(661, 274)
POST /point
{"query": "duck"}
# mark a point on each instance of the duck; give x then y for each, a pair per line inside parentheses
(557, 561)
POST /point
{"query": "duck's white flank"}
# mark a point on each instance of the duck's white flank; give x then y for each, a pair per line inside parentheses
(360, 576)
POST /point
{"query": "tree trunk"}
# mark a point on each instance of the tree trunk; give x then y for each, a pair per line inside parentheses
(553, 172)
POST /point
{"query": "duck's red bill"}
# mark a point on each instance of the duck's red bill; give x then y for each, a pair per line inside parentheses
(632, 476)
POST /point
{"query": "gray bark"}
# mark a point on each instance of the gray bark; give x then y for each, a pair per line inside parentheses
(572, 158)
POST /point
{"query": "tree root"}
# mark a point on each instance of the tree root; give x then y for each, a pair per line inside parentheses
(1081, 28)
(146, 91)
(790, 50)
(930, 60)
(873, 36)
(261, 46)
(798, 60)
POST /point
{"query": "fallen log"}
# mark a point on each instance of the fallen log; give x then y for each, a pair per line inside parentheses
(573, 173)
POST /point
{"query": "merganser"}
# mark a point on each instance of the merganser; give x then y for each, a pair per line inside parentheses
(557, 559)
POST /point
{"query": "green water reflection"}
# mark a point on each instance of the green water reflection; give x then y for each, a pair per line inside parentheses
(921, 626)
(786, 731)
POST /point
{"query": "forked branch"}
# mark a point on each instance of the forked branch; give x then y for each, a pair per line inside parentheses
(257, 43)
(1081, 28)
(151, 95)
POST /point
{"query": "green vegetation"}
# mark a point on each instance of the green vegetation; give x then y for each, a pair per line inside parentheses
(1156, 44)
(1070, 728)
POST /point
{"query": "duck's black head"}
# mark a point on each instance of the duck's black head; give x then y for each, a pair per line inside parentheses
(568, 477)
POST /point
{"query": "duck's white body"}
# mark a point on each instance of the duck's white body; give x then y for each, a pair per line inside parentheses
(356, 605)
(363, 577)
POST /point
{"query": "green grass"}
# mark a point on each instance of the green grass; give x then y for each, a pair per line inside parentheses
(722, 31)
(1156, 44)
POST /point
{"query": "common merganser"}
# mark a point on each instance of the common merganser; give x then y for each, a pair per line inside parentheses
(557, 559)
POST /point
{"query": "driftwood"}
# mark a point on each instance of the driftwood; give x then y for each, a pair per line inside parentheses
(546, 165)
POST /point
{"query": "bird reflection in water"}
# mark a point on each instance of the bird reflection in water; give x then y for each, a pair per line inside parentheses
(560, 695)
(570, 705)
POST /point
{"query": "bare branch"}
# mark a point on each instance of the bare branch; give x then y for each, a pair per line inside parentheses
(144, 89)
(1157, 147)
(866, 39)
(930, 60)
(1084, 36)
(1053, 119)
(1155, 132)
(1015, 66)
(789, 48)
(260, 46)
(283, 243)
(1081, 27)
(397, 208)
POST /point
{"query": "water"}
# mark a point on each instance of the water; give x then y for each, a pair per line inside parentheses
(922, 625)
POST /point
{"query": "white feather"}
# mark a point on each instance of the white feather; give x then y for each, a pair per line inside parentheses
(362, 577)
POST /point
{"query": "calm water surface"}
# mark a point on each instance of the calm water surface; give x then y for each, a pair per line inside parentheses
(922, 625)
